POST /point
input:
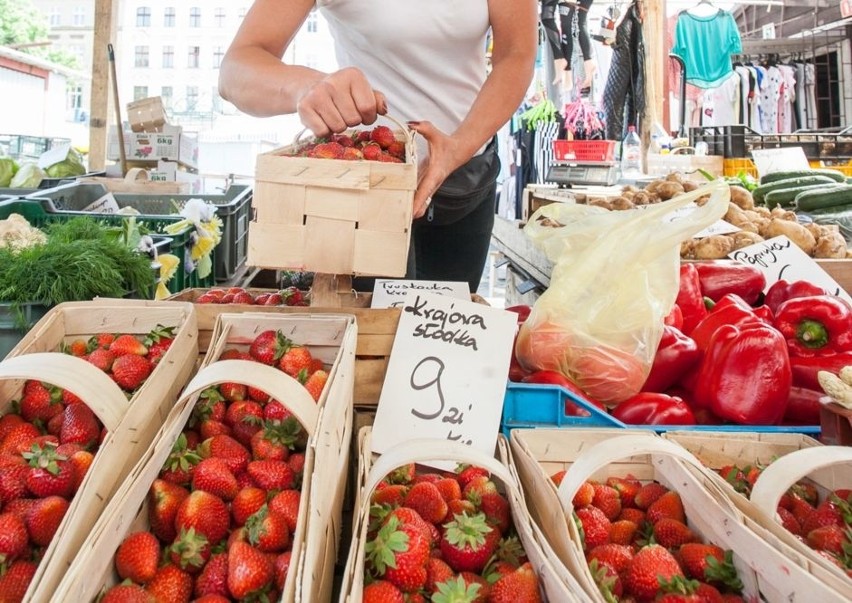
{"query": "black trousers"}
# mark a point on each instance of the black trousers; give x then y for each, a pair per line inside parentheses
(562, 43)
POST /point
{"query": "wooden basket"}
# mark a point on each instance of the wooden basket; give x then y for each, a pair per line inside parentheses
(331, 215)
(131, 423)
(372, 470)
(330, 338)
(600, 453)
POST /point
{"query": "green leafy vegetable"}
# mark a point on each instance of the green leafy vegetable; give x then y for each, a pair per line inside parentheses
(29, 175)
(8, 168)
(72, 165)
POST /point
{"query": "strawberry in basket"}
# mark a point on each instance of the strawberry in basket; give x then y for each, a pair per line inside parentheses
(223, 512)
(639, 545)
(376, 144)
(444, 537)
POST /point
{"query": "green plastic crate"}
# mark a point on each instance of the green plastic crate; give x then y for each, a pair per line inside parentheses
(11, 328)
(181, 242)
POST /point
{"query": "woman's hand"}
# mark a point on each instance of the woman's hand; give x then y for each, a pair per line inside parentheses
(445, 155)
(340, 100)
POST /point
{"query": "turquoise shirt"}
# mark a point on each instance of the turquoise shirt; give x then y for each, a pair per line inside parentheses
(706, 44)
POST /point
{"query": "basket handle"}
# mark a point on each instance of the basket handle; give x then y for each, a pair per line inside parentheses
(777, 478)
(79, 377)
(409, 133)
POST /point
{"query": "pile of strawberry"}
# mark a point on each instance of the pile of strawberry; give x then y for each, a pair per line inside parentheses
(444, 537)
(825, 526)
(638, 545)
(224, 508)
(48, 443)
(291, 296)
(377, 144)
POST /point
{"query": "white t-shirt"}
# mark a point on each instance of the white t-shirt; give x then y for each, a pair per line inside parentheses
(721, 105)
(769, 98)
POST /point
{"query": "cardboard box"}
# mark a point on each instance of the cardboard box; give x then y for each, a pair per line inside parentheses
(171, 171)
(172, 144)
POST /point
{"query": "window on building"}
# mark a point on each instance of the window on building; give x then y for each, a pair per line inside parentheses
(78, 16)
(193, 57)
(141, 56)
(167, 93)
(217, 100)
(140, 92)
(143, 16)
(74, 96)
(168, 57)
(55, 17)
(191, 98)
(311, 24)
(76, 50)
(195, 17)
(169, 16)
(218, 53)
(219, 17)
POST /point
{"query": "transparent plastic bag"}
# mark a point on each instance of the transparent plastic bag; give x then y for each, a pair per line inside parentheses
(614, 280)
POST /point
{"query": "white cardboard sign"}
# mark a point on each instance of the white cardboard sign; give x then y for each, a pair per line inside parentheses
(103, 205)
(784, 159)
(779, 258)
(446, 375)
(390, 293)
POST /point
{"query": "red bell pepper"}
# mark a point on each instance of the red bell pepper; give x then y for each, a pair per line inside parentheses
(803, 406)
(555, 378)
(719, 278)
(522, 310)
(805, 368)
(730, 310)
(782, 290)
(648, 408)
(689, 297)
(675, 355)
(674, 318)
(745, 376)
(815, 326)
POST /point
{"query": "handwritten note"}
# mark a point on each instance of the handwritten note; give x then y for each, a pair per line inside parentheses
(779, 258)
(719, 227)
(784, 159)
(390, 293)
(446, 375)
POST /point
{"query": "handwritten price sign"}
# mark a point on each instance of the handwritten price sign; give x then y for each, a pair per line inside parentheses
(779, 258)
(447, 372)
(391, 293)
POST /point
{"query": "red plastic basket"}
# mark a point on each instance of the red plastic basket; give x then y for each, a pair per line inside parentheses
(584, 150)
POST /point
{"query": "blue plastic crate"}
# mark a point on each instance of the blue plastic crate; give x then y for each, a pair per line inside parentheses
(528, 405)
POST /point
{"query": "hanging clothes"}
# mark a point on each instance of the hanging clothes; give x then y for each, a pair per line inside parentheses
(786, 121)
(810, 96)
(721, 105)
(705, 44)
(624, 93)
(769, 99)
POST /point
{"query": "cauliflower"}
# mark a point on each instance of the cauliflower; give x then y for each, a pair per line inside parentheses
(17, 233)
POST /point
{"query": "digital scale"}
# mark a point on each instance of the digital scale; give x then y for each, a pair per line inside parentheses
(588, 173)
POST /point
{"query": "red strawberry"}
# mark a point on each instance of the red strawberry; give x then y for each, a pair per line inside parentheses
(789, 521)
(275, 440)
(78, 348)
(15, 582)
(388, 158)
(585, 493)
(137, 557)
(709, 563)
(351, 153)
(457, 507)
(680, 590)
(273, 299)
(648, 495)
(272, 475)
(607, 499)
(164, 500)
(247, 501)
(637, 516)
(496, 509)
(389, 494)
(650, 565)
(297, 464)
(468, 542)
(449, 488)
(235, 354)
(672, 533)
(397, 149)
(213, 579)
(228, 449)
(426, 499)
(205, 512)
(245, 418)
(233, 392)
(268, 347)
(595, 526)
(517, 587)
(130, 371)
(243, 297)
(8, 422)
(296, 359)
(69, 398)
(21, 507)
(827, 513)
(326, 150)
(371, 152)
(190, 550)
(258, 395)
(382, 591)
(101, 340)
(50, 473)
(476, 584)
(617, 556)
(209, 407)
(398, 554)
(669, 505)
(79, 425)
(282, 568)
(172, 584)
(382, 136)
(180, 463)
(249, 570)
(44, 519)
(214, 476)
(627, 489)
(13, 538)
(557, 478)
(80, 461)
(158, 341)
(828, 538)
(622, 531)
(101, 358)
(316, 383)
(268, 531)
(13, 481)
(127, 344)
(19, 438)
(476, 487)
(128, 593)
(800, 509)
(286, 504)
(40, 401)
(437, 571)
(401, 475)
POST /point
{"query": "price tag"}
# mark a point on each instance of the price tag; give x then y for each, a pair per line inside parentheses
(104, 205)
(779, 258)
(784, 159)
(390, 293)
(54, 155)
(446, 375)
(720, 227)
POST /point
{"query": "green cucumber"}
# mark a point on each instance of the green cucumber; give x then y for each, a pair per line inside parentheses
(785, 196)
(835, 175)
(764, 189)
(830, 196)
(849, 180)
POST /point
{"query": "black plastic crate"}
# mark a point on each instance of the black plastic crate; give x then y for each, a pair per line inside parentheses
(724, 141)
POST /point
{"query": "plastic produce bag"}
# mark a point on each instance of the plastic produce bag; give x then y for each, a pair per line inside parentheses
(615, 277)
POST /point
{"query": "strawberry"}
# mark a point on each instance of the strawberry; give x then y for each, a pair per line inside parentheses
(398, 553)
(388, 158)
(268, 531)
(788, 520)
(426, 499)
(80, 425)
(397, 149)
(20, 507)
(275, 440)
(296, 359)
(137, 557)
(80, 461)
(326, 150)
(130, 371)
(297, 464)
(50, 473)
(205, 512)
(468, 542)
(9, 421)
(672, 533)
(316, 383)
(292, 296)
(401, 475)
(437, 571)
(19, 438)
(650, 565)
(382, 591)
(13, 538)
(171, 584)
(391, 495)
(826, 514)
(44, 519)
(273, 299)
(180, 463)
(709, 563)
(371, 152)
(476, 487)
(213, 579)
(189, 551)
(471, 581)
(272, 475)
(627, 489)
(622, 531)
(158, 341)
(669, 505)
(127, 344)
(800, 509)
(496, 509)
(736, 478)
(40, 401)
(607, 499)
(78, 348)
(233, 392)
(680, 590)
(210, 406)
(127, 593)
(70, 398)
(637, 516)
(806, 492)
(245, 418)
(243, 297)
(235, 354)
(258, 395)
(206, 298)
(164, 500)
(101, 358)
(828, 538)
(246, 502)
(617, 556)
(595, 526)
(268, 347)
(449, 488)
(607, 580)
(282, 568)
(214, 476)
(101, 340)
(521, 586)
(16, 580)
(351, 154)
(557, 478)
(228, 449)
(286, 504)
(648, 494)
(249, 570)
(382, 136)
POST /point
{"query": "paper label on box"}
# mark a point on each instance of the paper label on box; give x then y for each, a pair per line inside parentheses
(779, 258)
(48, 158)
(785, 159)
(390, 293)
(446, 375)
(105, 205)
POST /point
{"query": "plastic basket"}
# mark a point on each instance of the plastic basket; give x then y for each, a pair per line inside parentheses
(30, 147)
(584, 150)
(528, 406)
(733, 167)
